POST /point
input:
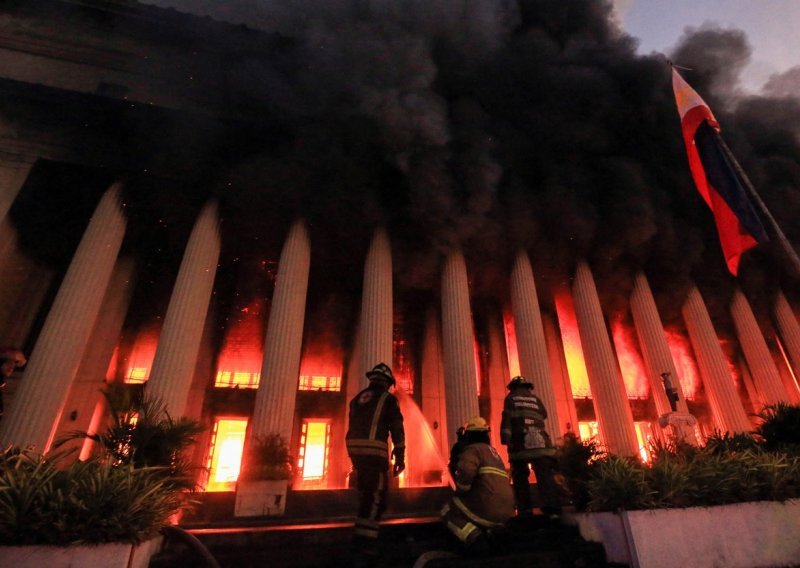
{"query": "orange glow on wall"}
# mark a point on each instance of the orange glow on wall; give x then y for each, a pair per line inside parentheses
(239, 363)
(312, 463)
(225, 454)
(511, 343)
(320, 383)
(477, 357)
(140, 361)
(402, 366)
(320, 368)
(573, 350)
(630, 361)
(644, 435)
(684, 363)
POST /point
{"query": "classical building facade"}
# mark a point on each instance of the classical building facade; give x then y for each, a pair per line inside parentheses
(122, 262)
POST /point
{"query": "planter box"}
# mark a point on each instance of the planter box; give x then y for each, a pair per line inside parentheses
(765, 533)
(111, 555)
(260, 498)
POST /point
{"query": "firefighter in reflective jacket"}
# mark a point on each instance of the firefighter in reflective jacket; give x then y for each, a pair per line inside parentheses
(522, 430)
(483, 499)
(374, 414)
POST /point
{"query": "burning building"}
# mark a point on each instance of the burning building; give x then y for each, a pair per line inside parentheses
(245, 218)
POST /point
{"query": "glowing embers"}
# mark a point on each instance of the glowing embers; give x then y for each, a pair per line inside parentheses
(312, 463)
(402, 367)
(225, 454)
(140, 360)
(239, 363)
(320, 383)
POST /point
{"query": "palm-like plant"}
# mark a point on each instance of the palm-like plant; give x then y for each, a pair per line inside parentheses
(141, 433)
(780, 428)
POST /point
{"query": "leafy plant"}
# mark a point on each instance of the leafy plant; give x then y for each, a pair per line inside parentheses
(780, 428)
(268, 458)
(576, 461)
(725, 442)
(141, 433)
(619, 483)
(42, 502)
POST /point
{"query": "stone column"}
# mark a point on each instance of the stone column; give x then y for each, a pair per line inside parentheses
(567, 413)
(277, 391)
(55, 358)
(765, 374)
(789, 331)
(179, 342)
(376, 306)
(460, 374)
(655, 350)
(614, 416)
(531, 345)
(434, 406)
(720, 388)
(657, 360)
(498, 372)
(86, 392)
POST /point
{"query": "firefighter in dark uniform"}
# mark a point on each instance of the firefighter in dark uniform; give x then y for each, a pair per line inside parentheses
(483, 500)
(522, 430)
(374, 414)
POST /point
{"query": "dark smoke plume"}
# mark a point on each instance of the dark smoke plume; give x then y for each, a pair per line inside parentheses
(499, 125)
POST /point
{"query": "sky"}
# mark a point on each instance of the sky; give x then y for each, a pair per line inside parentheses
(772, 26)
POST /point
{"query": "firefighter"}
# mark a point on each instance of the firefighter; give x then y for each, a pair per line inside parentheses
(522, 430)
(374, 414)
(483, 500)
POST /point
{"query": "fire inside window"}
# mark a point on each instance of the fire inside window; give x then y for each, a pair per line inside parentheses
(136, 375)
(315, 439)
(230, 379)
(644, 436)
(225, 454)
(320, 383)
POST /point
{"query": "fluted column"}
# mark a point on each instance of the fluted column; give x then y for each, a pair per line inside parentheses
(720, 388)
(498, 376)
(531, 345)
(567, 413)
(655, 350)
(789, 331)
(434, 406)
(460, 374)
(55, 358)
(277, 391)
(86, 392)
(376, 306)
(179, 343)
(12, 178)
(765, 374)
(608, 390)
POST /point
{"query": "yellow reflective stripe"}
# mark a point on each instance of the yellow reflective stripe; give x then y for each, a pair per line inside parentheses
(463, 486)
(472, 516)
(378, 409)
(376, 496)
(489, 470)
(462, 533)
(377, 452)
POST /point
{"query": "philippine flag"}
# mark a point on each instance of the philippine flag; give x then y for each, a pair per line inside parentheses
(738, 225)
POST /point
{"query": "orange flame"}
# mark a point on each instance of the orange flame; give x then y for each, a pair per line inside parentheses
(511, 343)
(684, 363)
(630, 361)
(573, 350)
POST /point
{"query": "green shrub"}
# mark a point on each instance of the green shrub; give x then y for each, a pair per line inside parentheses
(576, 461)
(87, 502)
(619, 483)
(780, 428)
(267, 458)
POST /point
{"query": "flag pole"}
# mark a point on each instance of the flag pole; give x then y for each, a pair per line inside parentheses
(788, 250)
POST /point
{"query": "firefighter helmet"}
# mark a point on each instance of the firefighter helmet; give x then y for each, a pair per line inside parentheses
(519, 382)
(381, 372)
(476, 424)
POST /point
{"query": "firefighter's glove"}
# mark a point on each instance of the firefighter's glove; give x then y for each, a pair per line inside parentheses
(399, 461)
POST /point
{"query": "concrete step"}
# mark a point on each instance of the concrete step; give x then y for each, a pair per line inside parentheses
(533, 542)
